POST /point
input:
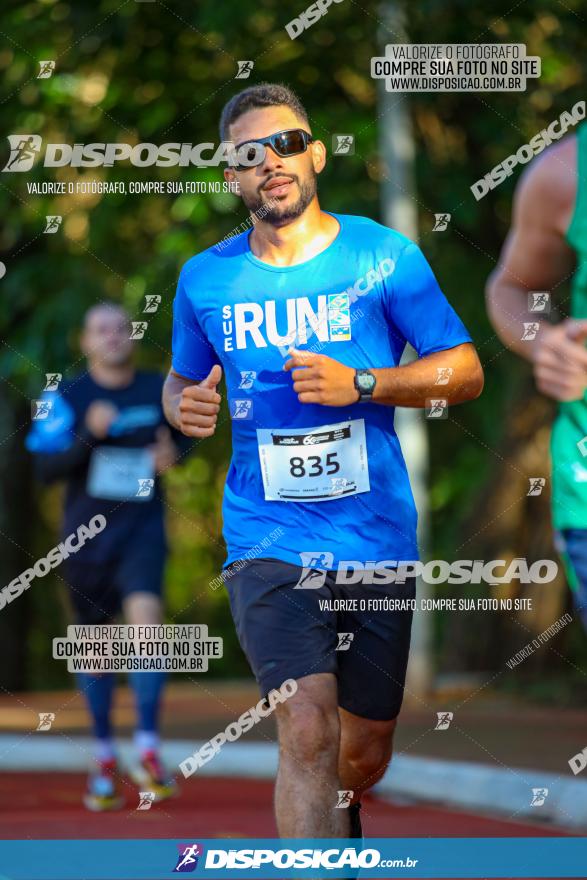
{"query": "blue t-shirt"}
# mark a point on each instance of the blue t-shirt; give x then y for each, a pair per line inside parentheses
(359, 301)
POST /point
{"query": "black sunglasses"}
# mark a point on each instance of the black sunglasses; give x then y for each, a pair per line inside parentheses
(284, 143)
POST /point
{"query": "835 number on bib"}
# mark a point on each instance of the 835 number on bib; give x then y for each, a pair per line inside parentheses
(314, 464)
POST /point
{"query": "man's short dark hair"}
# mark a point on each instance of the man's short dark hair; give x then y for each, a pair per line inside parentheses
(255, 97)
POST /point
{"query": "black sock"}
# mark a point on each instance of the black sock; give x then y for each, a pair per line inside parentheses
(355, 818)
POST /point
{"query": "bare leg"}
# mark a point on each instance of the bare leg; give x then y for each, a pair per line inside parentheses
(307, 781)
(365, 751)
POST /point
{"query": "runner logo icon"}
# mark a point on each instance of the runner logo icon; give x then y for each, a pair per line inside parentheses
(40, 409)
(247, 379)
(441, 222)
(187, 861)
(241, 409)
(343, 144)
(52, 381)
(344, 641)
(46, 719)
(244, 69)
(437, 408)
(52, 223)
(531, 329)
(313, 573)
(537, 484)
(145, 487)
(539, 795)
(46, 69)
(444, 719)
(152, 302)
(539, 301)
(146, 800)
(24, 149)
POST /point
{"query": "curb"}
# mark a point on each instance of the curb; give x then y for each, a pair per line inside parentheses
(479, 787)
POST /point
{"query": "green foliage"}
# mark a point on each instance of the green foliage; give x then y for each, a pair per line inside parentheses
(161, 72)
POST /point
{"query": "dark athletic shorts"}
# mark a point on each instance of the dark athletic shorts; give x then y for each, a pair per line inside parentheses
(97, 589)
(285, 634)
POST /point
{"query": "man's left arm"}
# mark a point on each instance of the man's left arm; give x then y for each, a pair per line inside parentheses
(454, 374)
(416, 311)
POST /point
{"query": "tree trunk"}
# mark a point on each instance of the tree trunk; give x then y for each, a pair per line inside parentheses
(397, 151)
(16, 530)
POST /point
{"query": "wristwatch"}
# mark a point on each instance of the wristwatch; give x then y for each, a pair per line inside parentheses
(365, 383)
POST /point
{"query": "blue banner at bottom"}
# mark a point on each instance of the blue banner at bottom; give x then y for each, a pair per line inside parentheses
(414, 857)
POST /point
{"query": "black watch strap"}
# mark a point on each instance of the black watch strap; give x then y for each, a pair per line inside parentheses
(365, 384)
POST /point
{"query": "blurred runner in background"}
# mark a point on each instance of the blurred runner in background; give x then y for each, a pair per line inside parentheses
(105, 435)
(547, 245)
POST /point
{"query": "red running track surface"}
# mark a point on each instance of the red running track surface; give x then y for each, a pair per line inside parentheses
(48, 806)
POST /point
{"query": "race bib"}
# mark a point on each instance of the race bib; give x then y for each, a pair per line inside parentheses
(120, 474)
(314, 464)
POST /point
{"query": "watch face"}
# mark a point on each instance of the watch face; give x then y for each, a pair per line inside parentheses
(366, 382)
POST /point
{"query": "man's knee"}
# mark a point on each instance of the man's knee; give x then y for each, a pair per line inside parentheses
(308, 732)
(142, 609)
(368, 757)
(371, 764)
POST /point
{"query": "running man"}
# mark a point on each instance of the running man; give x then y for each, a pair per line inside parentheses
(25, 149)
(547, 245)
(106, 436)
(320, 419)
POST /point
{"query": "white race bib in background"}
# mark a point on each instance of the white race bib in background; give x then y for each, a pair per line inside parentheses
(120, 474)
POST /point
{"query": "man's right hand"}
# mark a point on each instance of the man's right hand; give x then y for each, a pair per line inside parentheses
(99, 416)
(199, 405)
(560, 360)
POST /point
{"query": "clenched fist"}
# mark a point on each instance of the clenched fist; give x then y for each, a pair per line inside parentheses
(164, 451)
(321, 379)
(560, 360)
(99, 416)
(199, 405)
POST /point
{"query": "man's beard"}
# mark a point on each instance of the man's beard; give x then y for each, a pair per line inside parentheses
(278, 216)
